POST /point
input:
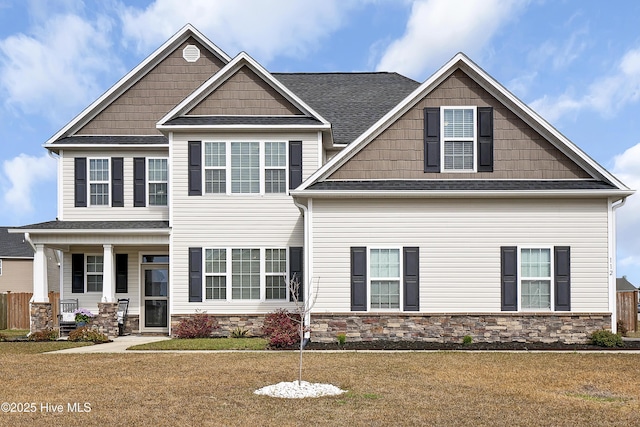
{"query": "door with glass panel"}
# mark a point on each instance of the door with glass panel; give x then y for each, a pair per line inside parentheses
(155, 291)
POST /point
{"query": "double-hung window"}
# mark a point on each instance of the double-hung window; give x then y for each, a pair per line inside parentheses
(99, 182)
(535, 278)
(275, 163)
(157, 181)
(458, 138)
(245, 274)
(95, 271)
(384, 271)
(239, 167)
(215, 172)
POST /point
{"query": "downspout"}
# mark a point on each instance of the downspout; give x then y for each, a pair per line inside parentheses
(306, 252)
(613, 265)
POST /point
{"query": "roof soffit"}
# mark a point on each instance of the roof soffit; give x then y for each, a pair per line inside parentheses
(142, 69)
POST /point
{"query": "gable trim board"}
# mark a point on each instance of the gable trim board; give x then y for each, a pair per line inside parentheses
(136, 75)
(241, 60)
(530, 117)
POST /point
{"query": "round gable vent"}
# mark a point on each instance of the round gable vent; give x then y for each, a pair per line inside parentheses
(191, 53)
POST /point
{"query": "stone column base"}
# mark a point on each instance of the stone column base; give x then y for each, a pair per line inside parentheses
(107, 319)
(41, 316)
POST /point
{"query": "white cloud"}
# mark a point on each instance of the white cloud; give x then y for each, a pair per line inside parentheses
(606, 95)
(627, 169)
(56, 68)
(22, 174)
(264, 29)
(438, 29)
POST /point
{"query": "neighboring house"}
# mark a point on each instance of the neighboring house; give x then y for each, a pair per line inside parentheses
(16, 264)
(623, 285)
(410, 211)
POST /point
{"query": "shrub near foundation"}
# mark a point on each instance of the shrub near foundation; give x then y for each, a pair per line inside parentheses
(281, 328)
(86, 334)
(605, 338)
(199, 325)
(45, 335)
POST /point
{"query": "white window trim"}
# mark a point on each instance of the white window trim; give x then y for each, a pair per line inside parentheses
(370, 278)
(229, 275)
(0, 267)
(474, 139)
(261, 144)
(551, 279)
(148, 181)
(108, 182)
(87, 273)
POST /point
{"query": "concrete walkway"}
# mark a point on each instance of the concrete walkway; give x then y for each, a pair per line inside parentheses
(119, 345)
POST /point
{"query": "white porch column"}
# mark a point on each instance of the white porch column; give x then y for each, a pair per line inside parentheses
(108, 276)
(40, 285)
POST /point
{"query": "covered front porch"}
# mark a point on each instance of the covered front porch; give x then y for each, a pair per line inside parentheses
(102, 262)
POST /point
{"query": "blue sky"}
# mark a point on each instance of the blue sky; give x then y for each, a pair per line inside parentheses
(576, 62)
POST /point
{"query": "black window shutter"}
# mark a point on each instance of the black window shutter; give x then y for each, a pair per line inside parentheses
(195, 168)
(117, 182)
(139, 182)
(122, 273)
(411, 257)
(296, 264)
(80, 177)
(509, 270)
(432, 139)
(295, 164)
(358, 279)
(562, 278)
(77, 273)
(485, 139)
(195, 274)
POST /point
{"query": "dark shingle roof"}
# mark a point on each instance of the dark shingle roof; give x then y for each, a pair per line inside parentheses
(97, 225)
(460, 185)
(105, 139)
(351, 102)
(622, 284)
(14, 245)
(242, 120)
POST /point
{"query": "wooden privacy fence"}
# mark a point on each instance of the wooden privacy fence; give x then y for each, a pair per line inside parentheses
(15, 312)
(627, 309)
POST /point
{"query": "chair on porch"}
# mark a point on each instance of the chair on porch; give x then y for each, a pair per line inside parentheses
(123, 309)
(66, 316)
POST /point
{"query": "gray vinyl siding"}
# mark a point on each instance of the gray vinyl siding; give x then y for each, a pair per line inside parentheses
(17, 275)
(108, 213)
(459, 242)
(230, 221)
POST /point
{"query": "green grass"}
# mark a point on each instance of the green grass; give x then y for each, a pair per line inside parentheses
(205, 344)
(31, 347)
(12, 333)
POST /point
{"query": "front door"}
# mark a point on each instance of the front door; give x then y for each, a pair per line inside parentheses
(155, 303)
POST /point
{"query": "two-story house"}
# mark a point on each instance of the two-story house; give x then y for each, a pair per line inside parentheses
(430, 211)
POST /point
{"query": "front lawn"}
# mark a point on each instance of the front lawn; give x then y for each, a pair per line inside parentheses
(33, 347)
(14, 333)
(409, 389)
(205, 344)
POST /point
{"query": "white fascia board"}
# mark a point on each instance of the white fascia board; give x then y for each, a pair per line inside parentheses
(617, 194)
(170, 128)
(135, 75)
(119, 231)
(2, 257)
(222, 75)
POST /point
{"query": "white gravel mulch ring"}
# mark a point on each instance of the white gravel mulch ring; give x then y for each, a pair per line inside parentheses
(295, 390)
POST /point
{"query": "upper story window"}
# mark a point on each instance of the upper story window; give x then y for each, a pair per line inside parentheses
(245, 167)
(458, 138)
(99, 182)
(157, 182)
